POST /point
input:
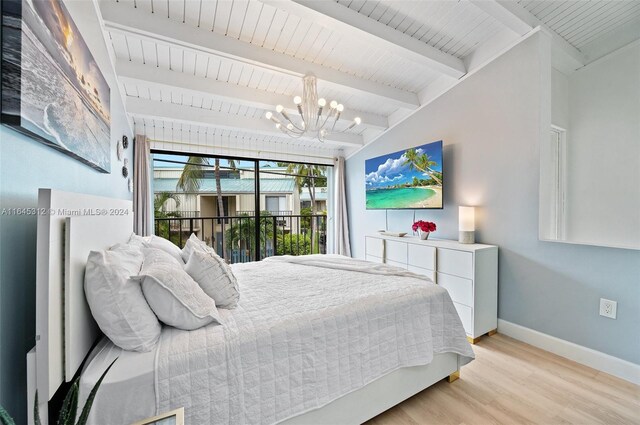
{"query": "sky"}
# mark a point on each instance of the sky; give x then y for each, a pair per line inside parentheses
(389, 169)
(180, 158)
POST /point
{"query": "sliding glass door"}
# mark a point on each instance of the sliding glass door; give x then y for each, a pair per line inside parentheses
(245, 210)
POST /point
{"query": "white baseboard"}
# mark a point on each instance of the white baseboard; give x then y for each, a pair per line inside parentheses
(595, 359)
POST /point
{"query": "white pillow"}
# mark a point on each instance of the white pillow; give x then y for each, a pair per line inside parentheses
(192, 244)
(174, 296)
(158, 243)
(167, 246)
(139, 241)
(117, 302)
(214, 276)
(155, 256)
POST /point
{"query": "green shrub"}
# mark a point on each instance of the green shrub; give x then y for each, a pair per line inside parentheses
(293, 244)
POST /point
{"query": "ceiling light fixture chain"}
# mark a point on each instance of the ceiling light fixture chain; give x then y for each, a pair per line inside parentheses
(315, 116)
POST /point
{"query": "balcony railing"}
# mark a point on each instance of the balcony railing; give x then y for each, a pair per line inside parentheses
(276, 213)
(234, 237)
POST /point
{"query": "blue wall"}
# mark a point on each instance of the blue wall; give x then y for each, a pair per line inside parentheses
(492, 124)
(25, 166)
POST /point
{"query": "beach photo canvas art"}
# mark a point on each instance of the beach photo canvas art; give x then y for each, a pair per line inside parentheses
(407, 179)
(52, 88)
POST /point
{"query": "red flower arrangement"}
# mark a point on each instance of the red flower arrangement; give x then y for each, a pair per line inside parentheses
(424, 226)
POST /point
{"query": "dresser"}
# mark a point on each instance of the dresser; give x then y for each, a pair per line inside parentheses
(469, 272)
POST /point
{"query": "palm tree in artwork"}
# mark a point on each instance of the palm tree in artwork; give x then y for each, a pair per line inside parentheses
(421, 162)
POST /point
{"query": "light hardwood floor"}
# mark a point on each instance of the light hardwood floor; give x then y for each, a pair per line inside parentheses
(511, 382)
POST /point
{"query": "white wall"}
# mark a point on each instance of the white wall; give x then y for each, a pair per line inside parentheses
(492, 124)
(603, 151)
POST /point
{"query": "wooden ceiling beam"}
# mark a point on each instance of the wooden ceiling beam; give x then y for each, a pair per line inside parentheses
(350, 23)
(164, 79)
(139, 23)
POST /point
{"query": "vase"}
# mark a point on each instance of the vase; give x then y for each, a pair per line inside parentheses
(424, 235)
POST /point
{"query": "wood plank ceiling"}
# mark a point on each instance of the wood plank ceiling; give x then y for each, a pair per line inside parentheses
(199, 75)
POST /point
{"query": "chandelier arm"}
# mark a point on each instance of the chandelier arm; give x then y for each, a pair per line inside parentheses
(353, 124)
(275, 120)
(301, 113)
(286, 131)
(318, 116)
(326, 119)
(286, 116)
(333, 127)
(293, 134)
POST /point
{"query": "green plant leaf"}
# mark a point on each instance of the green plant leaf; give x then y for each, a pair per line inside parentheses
(5, 419)
(70, 405)
(36, 411)
(92, 395)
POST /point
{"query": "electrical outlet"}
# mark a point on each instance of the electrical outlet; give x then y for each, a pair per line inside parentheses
(608, 308)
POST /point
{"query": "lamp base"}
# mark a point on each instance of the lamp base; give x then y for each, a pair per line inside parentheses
(466, 237)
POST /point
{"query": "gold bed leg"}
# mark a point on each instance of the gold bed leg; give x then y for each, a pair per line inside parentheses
(473, 340)
(454, 376)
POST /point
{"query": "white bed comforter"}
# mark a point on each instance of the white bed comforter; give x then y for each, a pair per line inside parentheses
(306, 331)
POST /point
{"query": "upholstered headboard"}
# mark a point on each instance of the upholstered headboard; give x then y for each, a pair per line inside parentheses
(69, 226)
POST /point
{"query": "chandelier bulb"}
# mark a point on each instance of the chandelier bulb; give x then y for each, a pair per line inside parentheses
(357, 120)
(279, 108)
(278, 125)
(333, 104)
(268, 115)
(322, 102)
(297, 100)
(340, 107)
(290, 126)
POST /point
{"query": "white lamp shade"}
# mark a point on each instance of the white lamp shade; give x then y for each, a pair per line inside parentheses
(466, 219)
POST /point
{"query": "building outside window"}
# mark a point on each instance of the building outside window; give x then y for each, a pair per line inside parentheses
(187, 201)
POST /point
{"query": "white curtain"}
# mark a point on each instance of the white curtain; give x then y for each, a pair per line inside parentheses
(341, 221)
(142, 209)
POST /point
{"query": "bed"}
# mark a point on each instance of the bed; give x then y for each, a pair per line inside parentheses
(317, 339)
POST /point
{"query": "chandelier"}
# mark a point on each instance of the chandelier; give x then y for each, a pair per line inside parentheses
(315, 118)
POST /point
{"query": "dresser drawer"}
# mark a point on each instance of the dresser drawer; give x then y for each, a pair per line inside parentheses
(457, 263)
(422, 256)
(466, 316)
(374, 246)
(460, 289)
(397, 264)
(396, 251)
(425, 272)
(374, 259)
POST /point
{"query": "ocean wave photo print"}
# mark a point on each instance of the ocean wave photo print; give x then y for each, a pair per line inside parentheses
(52, 88)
